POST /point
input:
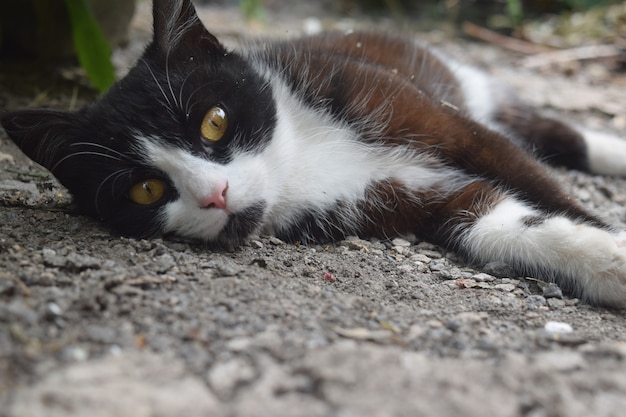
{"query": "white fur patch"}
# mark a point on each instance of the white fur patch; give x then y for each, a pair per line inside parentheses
(477, 91)
(316, 162)
(607, 153)
(593, 259)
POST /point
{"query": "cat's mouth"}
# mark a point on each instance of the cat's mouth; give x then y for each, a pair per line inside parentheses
(242, 224)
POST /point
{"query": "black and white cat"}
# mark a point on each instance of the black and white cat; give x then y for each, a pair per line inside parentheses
(317, 138)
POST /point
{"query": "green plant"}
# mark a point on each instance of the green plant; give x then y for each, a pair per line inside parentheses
(92, 48)
(515, 12)
(251, 9)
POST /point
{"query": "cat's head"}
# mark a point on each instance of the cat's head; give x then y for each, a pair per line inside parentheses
(171, 147)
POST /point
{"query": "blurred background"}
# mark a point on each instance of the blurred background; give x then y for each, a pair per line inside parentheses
(88, 31)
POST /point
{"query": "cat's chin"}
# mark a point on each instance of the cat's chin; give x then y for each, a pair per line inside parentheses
(240, 225)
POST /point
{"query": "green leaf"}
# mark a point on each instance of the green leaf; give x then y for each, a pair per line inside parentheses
(92, 48)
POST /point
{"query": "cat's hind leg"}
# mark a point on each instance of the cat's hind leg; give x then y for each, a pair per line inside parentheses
(559, 143)
(490, 102)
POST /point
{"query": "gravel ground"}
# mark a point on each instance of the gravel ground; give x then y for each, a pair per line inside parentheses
(96, 324)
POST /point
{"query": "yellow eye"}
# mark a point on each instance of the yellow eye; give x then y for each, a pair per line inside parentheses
(214, 124)
(147, 191)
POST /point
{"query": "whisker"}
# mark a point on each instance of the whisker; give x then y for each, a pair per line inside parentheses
(104, 155)
(156, 81)
(115, 174)
(169, 81)
(97, 145)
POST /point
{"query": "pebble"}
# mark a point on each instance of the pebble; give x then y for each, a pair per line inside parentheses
(420, 257)
(276, 241)
(399, 242)
(53, 310)
(557, 327)
(499, 269)
(555, 303)
(535, 301)
(505, 287)
(354, 243)
(79, 262)
(551, 290)
(164, 263)
(228, 269)
(431, 254)
(51, 258)
(482, 277)
(257, 244)
(438, 266)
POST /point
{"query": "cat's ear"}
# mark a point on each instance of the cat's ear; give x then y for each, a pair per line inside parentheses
(40, 134)
(176, 24)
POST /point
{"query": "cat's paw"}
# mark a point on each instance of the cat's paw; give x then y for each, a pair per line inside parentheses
(606, 284)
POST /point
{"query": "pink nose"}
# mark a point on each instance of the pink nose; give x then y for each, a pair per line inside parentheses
(217, 199)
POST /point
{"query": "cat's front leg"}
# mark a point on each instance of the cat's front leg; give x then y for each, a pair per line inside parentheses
(589, 261)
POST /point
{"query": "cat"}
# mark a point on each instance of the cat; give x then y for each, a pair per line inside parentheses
(317, 138)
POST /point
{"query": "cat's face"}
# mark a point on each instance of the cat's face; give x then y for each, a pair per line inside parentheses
(173, 147)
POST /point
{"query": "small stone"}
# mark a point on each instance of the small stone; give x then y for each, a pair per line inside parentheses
(482, 277)
(431, 254)
(276, 241)
(555, 303)
(164, 263)
(465, 283)
(76, 261)
(553, 327)
(50, 258)
(400, 242)
(551, 290)
(438, 266)
(354, 243)
(499, 269)
(228, 269)
(53, 310)
(420, 257)
(505, 287)
(256, 244)
(451, 283)
(535, 301)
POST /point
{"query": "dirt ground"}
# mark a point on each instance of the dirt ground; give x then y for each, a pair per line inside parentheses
(96, 324)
